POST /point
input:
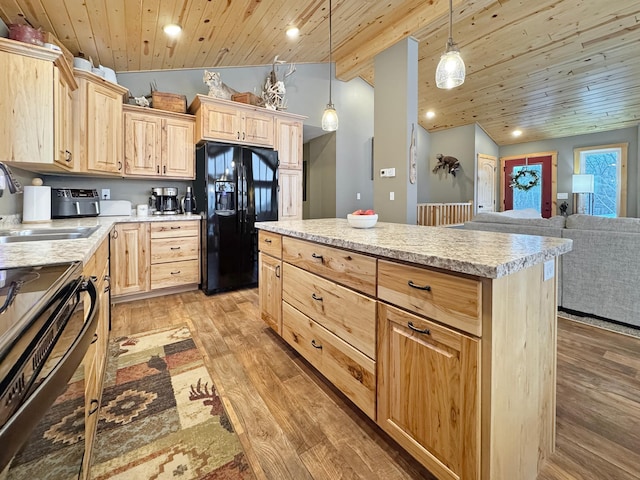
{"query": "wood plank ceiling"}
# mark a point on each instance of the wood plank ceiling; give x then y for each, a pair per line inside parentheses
(551, 68)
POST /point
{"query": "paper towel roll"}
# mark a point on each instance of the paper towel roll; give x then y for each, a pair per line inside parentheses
(36, 206)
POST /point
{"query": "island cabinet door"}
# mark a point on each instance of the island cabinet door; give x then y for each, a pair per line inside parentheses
(270, 291)
(428, 392)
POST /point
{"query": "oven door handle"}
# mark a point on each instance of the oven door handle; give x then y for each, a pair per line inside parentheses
(16, 431)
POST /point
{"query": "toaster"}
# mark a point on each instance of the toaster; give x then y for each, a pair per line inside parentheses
(74, 202)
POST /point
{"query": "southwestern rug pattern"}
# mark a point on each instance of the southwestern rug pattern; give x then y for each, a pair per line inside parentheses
(161, 416)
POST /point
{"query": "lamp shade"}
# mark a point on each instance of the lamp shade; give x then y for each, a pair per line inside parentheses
(451, 70)
(330, 119)
(583, 183)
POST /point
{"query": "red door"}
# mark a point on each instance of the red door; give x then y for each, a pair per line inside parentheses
(537, 197)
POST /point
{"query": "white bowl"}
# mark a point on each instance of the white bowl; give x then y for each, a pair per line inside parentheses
(362, 221)
(82, 63)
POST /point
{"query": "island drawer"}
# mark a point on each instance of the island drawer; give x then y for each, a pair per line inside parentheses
(184, 228)
(344, 366)
(173, 274)
(351, 269)
(165, 250)
(451, 299)
(347, 314)
(270, 243)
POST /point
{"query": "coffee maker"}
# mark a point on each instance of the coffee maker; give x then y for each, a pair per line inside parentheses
(164, 201)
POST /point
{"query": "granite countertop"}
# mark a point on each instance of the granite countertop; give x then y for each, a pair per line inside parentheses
(485, 254)
(22, 254)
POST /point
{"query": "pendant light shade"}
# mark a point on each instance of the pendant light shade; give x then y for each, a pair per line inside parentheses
(451, 71)
(330, 116)
(330, 119)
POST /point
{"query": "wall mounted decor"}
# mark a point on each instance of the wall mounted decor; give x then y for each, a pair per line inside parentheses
(447, 163)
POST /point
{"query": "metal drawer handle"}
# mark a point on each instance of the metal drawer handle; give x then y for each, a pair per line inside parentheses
(426, 331)
(175, 273)
(93, 408)
(315, 255)
(267, 240)
(315, 345)
(175, 228)
(419, 287)
(316, 297)
(94, 278)
(278, 271)
(175, 248)
(95, 338)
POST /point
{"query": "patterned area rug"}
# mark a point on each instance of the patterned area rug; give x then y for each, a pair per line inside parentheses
(161, 416)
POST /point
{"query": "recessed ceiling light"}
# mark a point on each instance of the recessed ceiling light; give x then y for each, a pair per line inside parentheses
(293, 32)
(517, 133)
(172, 29)
(431, 114)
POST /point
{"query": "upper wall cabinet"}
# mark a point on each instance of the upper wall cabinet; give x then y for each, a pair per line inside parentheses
(289, 143)
(36, 85)
(97, 124)
(232, 122)
(158, 143)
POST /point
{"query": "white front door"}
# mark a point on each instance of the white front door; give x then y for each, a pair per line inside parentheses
(486, 183)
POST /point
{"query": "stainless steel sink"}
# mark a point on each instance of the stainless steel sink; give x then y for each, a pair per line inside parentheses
(45, 234)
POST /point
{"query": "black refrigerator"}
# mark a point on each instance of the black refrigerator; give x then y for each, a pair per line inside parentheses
(235, 187)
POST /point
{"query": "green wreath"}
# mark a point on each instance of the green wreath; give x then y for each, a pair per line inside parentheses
(521, 182)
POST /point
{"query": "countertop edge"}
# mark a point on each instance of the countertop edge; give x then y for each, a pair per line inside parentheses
(452, 263)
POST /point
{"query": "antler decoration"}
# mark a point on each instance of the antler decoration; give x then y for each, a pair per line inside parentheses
(274, 90)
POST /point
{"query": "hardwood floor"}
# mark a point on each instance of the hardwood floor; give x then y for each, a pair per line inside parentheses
(294, 425)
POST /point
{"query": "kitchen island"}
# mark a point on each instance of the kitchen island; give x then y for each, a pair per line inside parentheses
(446, 338)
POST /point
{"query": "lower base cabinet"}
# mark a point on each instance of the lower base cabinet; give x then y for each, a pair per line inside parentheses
(151, 256)
(95, 360)
(428, 392)
(458, 369)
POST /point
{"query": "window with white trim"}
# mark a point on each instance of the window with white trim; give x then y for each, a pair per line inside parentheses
(608, 165)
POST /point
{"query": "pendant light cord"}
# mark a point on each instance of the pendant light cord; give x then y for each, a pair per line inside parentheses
(450, 23)
(330, 56)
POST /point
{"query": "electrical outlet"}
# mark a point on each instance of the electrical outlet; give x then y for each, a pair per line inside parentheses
(106, 194)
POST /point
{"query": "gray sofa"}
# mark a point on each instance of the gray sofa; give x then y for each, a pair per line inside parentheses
(600, 275)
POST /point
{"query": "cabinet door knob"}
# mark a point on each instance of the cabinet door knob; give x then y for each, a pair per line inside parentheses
(426, 331)
(315, 345)
(67, 156)
(426, 288)
(278, 271)
(119, 165)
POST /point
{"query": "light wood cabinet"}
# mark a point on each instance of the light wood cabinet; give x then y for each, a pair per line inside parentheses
(463, 366)
(97, 120)
(428, 392)
(289, 143)
(290, 195)
(234, 122)
(270, 279)
(158, 144)
(94, 363)
(130, 250)
(175, 254)
(36, 86)
(332, 326)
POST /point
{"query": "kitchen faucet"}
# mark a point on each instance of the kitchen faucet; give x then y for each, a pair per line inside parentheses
(9, 179)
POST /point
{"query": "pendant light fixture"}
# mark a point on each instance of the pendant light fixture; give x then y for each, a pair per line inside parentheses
(450, 72)
(330, 116)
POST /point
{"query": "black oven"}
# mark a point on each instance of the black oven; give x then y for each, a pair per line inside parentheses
(44, 335)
